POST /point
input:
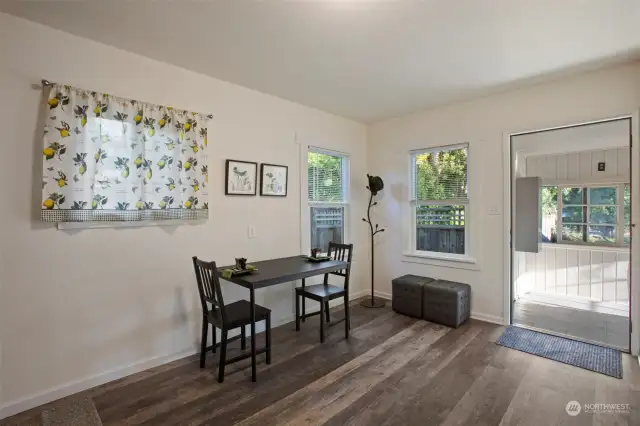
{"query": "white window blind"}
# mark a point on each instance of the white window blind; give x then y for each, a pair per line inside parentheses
(440, 175)
(327, 177)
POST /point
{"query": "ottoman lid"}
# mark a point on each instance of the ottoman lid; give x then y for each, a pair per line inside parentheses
(413, 279)
(449, 286)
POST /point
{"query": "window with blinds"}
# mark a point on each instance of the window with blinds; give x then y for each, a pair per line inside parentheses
(439, 199)
(327, 173)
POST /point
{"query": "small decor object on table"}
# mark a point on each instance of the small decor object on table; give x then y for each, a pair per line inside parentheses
(273, 180)
(241, 262)
(316, 257)
(241, 268)
(240, 177)
(375, 185)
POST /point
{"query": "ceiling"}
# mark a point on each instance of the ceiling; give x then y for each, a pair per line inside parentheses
(362, 59)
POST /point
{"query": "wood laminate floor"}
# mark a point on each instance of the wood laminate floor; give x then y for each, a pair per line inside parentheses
(394, 370)
(605, 329)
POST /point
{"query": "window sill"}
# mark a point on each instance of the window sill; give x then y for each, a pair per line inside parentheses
(441, 259)
(578, 246)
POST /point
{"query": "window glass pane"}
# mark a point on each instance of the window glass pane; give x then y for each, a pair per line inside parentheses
(573, 196)
(599, 196)
(327, 224)
(627, 234)
(441, 175)
(574, 214)
(602, 234)
(626, 200)
(603, 214)
(574, 232)
(326, 174)
(549, 216)
(440, 228)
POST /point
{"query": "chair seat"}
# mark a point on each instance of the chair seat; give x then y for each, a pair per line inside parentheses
(239, 313)
(321, 291)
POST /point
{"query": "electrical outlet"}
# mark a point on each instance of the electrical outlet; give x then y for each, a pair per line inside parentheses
(251, 231)
(494, 210)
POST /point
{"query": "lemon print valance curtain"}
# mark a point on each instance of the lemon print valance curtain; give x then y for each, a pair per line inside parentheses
(107, 159)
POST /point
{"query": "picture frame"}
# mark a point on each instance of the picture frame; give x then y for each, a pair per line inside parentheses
(274, 180)
(240, 177)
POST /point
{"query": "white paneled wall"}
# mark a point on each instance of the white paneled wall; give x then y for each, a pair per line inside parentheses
(581, 167)
(596, 274)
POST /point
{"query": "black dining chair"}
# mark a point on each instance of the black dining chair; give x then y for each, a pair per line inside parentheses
(225, 317)
(325, 292)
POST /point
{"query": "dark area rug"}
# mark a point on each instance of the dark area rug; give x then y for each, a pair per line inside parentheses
(584, 355)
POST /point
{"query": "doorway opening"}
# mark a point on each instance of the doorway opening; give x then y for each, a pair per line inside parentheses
(571, 227)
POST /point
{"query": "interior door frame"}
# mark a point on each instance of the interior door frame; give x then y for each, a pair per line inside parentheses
(508, 207)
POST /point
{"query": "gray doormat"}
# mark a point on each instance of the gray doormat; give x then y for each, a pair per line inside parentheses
(80, 412)
(584, 355)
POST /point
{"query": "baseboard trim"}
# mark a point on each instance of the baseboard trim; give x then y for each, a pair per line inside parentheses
(39, 398)
(17, 406)
(487, 318)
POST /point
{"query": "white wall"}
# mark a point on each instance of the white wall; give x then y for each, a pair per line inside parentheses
(581, 167)
(81, 307)
(483, 123)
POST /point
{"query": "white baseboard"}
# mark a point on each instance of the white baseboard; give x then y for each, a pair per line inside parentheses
(487, 318)
(16, 406)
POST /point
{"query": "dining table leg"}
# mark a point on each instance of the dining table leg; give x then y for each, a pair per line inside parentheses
(304, 311)
(252, 293)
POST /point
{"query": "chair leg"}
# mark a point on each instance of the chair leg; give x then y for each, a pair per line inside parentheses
(326, 311)
(243, 338)
(298, 311)
(215, 339)
(304, 310)
(347, 326)
(223, 355)
(268, 337)
(203, 341)
(321, 322)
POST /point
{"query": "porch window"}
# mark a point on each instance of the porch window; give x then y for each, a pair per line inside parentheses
(592, 215)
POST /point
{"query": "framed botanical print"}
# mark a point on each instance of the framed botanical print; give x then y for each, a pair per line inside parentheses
(273, 180)
(240, 177)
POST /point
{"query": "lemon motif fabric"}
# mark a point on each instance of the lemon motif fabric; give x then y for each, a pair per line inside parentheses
(107, 158)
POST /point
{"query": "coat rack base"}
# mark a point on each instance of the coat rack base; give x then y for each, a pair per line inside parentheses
(373, 302)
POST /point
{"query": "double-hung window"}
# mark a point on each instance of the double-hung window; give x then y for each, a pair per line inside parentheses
(328, 184)
(591, 214)
(440, 200)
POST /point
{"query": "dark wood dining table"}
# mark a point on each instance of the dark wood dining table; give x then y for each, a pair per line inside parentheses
(277, 271)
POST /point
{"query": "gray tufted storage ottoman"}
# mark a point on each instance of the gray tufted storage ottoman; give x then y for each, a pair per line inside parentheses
(446, 302)
(407, 294)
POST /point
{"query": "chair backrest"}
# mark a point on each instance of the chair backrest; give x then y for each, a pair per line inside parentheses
(342, 252)
(209, 288)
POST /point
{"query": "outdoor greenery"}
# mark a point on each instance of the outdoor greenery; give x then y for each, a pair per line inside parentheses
(325, 177)
(441, 176)
(588, 214)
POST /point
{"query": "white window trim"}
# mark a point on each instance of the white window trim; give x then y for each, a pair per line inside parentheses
(619, 225)
(346, 186)
(412, 255)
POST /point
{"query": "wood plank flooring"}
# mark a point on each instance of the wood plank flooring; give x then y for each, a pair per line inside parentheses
(393, 370)
(606, 329)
